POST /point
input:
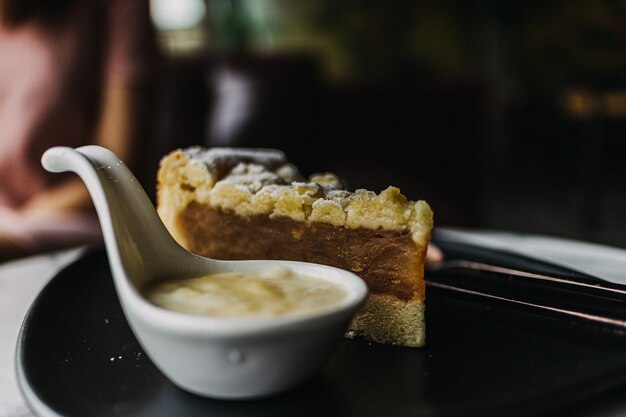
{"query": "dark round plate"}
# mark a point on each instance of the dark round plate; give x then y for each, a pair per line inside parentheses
(76, 356)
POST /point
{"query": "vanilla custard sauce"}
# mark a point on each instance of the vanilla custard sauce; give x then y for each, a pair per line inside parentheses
(274, 292)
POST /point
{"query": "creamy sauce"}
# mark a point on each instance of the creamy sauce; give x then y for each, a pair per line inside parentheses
(275, 292)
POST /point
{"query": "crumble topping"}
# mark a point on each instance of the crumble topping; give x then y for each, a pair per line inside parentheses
(261, 181)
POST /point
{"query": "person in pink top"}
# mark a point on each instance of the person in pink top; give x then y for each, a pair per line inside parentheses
(72, 73)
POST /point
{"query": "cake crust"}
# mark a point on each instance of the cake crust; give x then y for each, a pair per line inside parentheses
(379, 310)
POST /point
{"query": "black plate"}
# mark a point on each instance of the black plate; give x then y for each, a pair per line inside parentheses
(77, 357)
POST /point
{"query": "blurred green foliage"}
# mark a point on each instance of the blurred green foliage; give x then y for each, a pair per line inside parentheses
(373, 39)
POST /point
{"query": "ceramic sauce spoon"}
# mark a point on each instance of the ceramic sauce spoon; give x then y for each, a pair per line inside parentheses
(220, 357)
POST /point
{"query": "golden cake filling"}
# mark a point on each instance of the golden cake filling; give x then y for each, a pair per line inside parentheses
(386, 260)
(252, 204)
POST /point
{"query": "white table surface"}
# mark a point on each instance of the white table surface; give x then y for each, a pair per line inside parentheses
(20, 281)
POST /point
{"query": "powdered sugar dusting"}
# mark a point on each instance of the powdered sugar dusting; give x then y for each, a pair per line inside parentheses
(220, 161)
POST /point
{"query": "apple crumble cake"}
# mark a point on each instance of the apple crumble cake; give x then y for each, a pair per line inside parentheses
(229, 203)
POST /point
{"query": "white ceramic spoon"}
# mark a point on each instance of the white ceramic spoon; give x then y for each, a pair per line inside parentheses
(242, 357)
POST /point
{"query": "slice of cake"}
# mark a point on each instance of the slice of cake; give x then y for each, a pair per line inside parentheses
(252, 204)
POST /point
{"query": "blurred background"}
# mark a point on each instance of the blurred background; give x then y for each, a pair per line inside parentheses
(506, 115)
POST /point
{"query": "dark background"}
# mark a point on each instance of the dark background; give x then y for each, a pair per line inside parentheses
(516, 109)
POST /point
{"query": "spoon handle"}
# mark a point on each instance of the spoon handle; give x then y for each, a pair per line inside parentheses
(134, 234)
